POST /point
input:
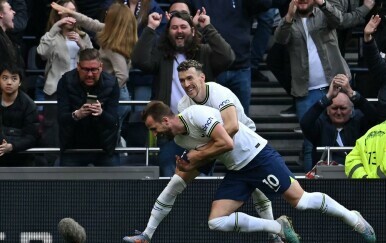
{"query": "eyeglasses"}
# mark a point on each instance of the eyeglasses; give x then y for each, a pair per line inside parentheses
(87, 70)
(172, 13)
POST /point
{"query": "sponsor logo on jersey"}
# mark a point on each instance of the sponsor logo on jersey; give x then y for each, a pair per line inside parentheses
(208, 122)
(225, 102)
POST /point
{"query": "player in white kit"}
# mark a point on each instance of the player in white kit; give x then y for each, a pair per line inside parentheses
(251, 164)
(214, 95)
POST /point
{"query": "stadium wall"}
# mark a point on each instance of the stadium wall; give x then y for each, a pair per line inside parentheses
(109, 209)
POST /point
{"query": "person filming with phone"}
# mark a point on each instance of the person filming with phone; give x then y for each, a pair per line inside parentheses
(88, 100)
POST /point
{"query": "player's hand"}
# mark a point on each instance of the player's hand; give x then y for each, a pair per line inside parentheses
(183, 165)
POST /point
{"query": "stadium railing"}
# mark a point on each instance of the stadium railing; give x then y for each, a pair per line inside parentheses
(328, 149)
(147, 150)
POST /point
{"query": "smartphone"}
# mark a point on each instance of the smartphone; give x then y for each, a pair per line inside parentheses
(91, 99)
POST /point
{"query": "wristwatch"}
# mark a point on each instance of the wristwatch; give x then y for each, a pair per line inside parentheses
(74, 116)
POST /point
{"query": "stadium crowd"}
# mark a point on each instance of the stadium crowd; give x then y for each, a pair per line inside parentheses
(140, 43)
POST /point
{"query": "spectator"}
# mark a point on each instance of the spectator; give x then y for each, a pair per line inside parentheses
(314, 55)
(278, 58)
(340, 124)
(116, 38)
(20, 21)
(180, 42)
(18, 120)
(140, 84)
(8, 52)
(141, 10)
(376, 63)
(84, 124)
(59, 46)
(367, 159)
(260, 41)
(234, 25)
(95, 9)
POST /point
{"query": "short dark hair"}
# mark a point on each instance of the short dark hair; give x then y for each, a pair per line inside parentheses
(185, 65)
(156, 109)
(13, 69)
(89, 54)
(184, 2)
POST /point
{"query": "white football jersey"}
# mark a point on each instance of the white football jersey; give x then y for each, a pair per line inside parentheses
(200, 121)
(219, 97)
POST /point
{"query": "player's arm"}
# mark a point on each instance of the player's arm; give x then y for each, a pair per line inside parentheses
(220, 143)
(231, 123)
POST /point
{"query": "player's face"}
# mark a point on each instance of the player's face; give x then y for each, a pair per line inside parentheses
(7, 16)
(180, 33)
(158, 128)
(193, 82)
(9, 82)
(340, 110)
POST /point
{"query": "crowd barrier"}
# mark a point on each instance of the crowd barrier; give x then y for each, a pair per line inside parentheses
(111, 208)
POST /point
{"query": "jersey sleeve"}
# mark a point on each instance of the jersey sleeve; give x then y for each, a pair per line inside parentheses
(205, 119)
(221, 98)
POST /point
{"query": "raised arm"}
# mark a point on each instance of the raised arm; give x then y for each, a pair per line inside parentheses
(84, 21)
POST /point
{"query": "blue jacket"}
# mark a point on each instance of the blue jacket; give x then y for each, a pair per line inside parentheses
(89, 132)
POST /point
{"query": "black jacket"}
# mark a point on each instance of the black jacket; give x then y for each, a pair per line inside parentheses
(19, 127)
(377, 70)
(89, 132)
(319, 130)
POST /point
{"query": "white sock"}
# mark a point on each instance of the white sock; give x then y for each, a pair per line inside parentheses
(325, 204)
(241, 222)
(164, 203)
(262, 204)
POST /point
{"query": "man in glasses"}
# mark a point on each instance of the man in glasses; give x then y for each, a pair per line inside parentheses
(87, 107)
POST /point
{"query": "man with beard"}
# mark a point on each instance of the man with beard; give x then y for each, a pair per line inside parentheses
(180, 41)
(8, 52)
(88, 112)
(308, 30)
